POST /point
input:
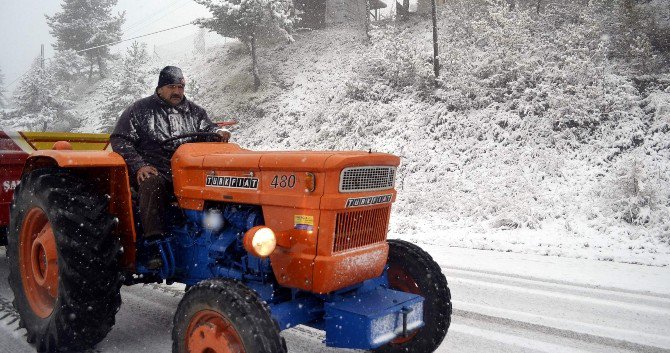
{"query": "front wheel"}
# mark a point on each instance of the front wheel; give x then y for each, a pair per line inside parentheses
(224, 316)
(63, 261)
(411, 269)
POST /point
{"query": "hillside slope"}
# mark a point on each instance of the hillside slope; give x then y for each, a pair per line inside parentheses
(529, 142)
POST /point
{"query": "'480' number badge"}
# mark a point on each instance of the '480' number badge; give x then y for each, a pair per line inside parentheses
(283, 181)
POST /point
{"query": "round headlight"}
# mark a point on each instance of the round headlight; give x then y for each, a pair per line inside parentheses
(260, 241)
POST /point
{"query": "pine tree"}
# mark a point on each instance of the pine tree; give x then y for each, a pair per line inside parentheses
(37, 108)
(67, 65)
(132, 84)
(83, 24)
(247, 20)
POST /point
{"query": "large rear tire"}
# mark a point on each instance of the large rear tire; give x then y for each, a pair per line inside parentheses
(63, 261)
(221, 316)
(411, 269)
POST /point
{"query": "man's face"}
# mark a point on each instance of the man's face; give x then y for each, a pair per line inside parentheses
(172, 94)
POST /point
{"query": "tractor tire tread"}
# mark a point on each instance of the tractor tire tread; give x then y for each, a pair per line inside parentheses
(430, 278)
(238, 303)
(89, 279)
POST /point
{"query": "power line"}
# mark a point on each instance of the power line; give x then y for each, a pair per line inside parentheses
(16, 79)
(105, 45)
(125, 40)
(158, 19)
(143, 21)
(147, 24)
(21, 75)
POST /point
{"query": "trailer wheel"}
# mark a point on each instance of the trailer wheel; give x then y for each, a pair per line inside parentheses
(63, 261)
(411, 269)
(222, 315)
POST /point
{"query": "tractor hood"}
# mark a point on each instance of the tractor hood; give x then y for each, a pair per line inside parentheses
(226, 172)
(230, 156)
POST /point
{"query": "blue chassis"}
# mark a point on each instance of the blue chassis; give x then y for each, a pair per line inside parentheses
(364, 316)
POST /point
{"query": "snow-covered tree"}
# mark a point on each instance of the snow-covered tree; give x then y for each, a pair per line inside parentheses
(3, 101)
(132, 83)
(249, 20)
(67, 65)
(36, 105)
(84, 24)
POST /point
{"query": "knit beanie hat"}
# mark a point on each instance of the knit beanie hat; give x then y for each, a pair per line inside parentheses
(170, 75)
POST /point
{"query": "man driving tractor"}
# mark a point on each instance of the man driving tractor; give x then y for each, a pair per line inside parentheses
(264, 240)
(139, 137)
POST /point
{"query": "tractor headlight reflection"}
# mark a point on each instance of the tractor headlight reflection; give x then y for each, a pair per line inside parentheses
(260, 241)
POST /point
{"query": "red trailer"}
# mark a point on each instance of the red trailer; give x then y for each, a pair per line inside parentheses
(15, 146)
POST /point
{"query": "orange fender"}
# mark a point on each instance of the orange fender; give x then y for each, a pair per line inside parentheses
(109, 170)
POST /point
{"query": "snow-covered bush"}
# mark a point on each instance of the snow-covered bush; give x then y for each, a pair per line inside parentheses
(631, 192)
(394, 66)
(508, 59)
(533, 119)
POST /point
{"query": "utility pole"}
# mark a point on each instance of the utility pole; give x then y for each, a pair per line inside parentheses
(436, 60)
(40, 91)
(405, 13)
(42, 56)
(367, 18)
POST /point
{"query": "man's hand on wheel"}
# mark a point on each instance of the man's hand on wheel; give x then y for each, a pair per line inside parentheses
(225, 135)
(146, 172)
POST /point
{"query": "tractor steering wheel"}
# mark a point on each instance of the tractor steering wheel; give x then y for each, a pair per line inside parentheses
(204, 136)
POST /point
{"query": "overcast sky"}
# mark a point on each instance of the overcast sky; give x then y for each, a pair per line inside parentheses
(23, 27)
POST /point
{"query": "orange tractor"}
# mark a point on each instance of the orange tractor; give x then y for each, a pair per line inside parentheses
(263, 241)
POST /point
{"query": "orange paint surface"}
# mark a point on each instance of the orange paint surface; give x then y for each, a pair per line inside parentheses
(79, 159)
(304, 257)
(111, 170)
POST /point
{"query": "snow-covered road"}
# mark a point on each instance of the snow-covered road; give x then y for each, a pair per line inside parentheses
(503, 302)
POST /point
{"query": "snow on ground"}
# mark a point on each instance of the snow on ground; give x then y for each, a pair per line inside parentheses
(584, 272)
(551, 240)
(483, 178)
(503, 302)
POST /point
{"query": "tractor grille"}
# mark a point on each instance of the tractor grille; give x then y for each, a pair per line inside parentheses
(358, 179)
(360, 228)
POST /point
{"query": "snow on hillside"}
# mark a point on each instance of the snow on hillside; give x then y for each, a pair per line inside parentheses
(571, 159)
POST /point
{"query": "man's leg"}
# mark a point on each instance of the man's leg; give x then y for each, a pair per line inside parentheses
(154, 197)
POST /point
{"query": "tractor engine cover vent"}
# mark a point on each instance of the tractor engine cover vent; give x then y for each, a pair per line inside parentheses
(370, 178)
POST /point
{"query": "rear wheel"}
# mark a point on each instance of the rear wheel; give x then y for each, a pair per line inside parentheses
(63, 261)
(412, 270)
(224, 316)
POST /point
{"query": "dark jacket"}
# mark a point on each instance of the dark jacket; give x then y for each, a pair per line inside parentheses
(144, 125)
